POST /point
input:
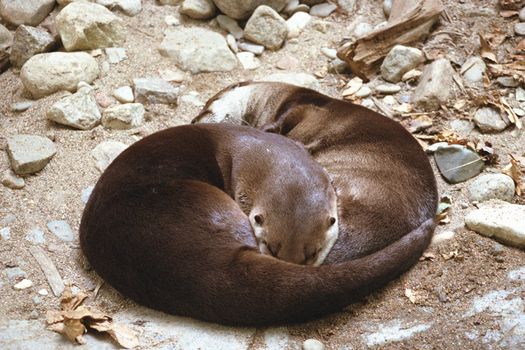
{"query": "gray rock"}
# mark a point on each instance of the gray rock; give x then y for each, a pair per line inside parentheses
(312, 344)
(338, 66)
(347, 5)
(128, 7)
(21, 106)
(5, 233)
(387, 7)
(35, 236)
(435, 85)
(330, 53)
(242, 9)
(6, 38)
(62, 230)
(363, 92)
(248, 60)
(500, 220)
(473, 69)
(250, 47)
(9, 179)
(232, 43)
(520, 94)
(8, 219)
(299, 79)
(197, 50)
(462, 127)
(124, 94)
(266, 27)
(116, 54)
(508, 82)
(30, 12)
(488, 119)
(29, 153)
(87, 26)
(230, 25)
(47, 73)
(79, 110)
(519, 28)
(29, 41)
(15, 273)
(388, 89)
(126, 116)
(492, 186)
(297, 23)
(155, 90)
(323, 10)
(393, 331)
(198, 9)
(86, 193)
(457, 163)
(105, 152)
(522, 15)
(400, 60)
(362, 29)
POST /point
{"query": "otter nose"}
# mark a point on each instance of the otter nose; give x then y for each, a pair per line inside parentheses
(292, 255)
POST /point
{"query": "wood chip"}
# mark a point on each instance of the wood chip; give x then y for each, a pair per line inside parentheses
(49, 269)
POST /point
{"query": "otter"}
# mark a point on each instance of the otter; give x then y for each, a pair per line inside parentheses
(162, 227)
(384, 182)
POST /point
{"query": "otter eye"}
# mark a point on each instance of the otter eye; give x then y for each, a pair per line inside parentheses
(332, 221)
(258, 219)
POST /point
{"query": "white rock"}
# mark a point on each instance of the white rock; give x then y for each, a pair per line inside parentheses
(388, 89)
(362, 29)
(128, 7)
(170, 75)
(435, 85)
(62, 230)
(330, 53)
(488, 119)
(35, 236)
(248, 60)
(116, 54)
(492, 186)
(126, 116)
(192, 98)
(6, 38)
(232, 43)
(79, 110)
(30, 12)
(266, 27)
(250, 47)
(323, 10)
(29, 153)
(230, 25)
(400, 60)
(5, 233)
(47, 73)
(106, 152)
(198, 9)
(299, 79)
(387, 7)
(501, 220)
(473, 69)
(86, 193)
(312, 344)
(87, 26)
(297, 23)
(24, 284)
(198, 50)
(9, 179)
(124, 94)
(155, 90)
(442, 237)
(363, 92)
(43, 292)
(242, 9)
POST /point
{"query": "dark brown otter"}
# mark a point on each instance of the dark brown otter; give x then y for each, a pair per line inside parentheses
(161, 226)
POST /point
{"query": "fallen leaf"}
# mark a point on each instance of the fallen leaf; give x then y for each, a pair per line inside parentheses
(516, 171)
(510, 113)
(485, 49)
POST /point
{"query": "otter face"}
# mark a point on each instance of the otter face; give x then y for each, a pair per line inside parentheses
(302, 234)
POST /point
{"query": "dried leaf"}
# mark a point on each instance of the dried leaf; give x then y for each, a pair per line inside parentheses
(485, 49)
(510, 112)
(516, 171)
(411, 295)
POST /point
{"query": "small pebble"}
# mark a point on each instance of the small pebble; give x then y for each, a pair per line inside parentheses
(124, 94)
(116, 54)
(10, 180)
(330, 53)
(323, 10)
(37, 300)
(5, 233)
(24, 284)
(363, 92)
(86, 193)
(313, 344)
(250, 47)
(388, 89)
(21, 106)
(248, 60)
(508, 81)
(35, 236)
(519, 28)
(43, 292)
(287, 63)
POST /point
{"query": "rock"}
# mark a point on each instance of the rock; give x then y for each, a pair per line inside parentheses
(192, 98)
(463, 127)
(248, 60)
(21, 106)
(88, 26)
(435, 85)
(387, 7)
(9, 179)
(62, 230)
(297, 23)
(5, 233)
(338, 66)
(519, 28)
(442, 237)
(124, 94)
(388, 89)
(312, 344)
(363, 92)
(488, 119)
(347, 6)
(47, 73)
(116, 54)
(29, 41)
(6, 38)
(253, 48)
(8, 219)
(291, 7)
(155, 90)
(43, 292)
(29, 154)
(86, 193)
(329, 53)
(287, 62)
(400, 60)
(103, 100)
(242, 9)
(24, 284)
(230, 25)
(14, 273)
(169, 75)
(266, 27)
(457, 163)
(323, 10)
(362, 29)
(126, 116)
(79, 110)
(299, 79)
(473, 69)
(128, 7)
(508, 82)
(105, 152)
(492, 186)
(522, 14)
(35, 236)
(30, 12)
(391, 332)
(232, 43)
(197, 50)
(500, 220)
(198, 9)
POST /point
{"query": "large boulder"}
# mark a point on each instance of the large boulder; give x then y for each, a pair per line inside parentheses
(30, 12)
(242, 9)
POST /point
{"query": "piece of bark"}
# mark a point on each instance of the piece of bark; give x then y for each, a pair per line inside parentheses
(409, 21)
(4, 61)
(49, 269)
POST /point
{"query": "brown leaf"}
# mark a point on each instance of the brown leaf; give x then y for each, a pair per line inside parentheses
(485, 49)
(514, 170)
(510, 112)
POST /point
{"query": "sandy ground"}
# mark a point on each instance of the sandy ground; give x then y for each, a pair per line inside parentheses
(446, 290)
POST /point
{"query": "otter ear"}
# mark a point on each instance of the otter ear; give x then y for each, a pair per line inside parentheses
(331, 221)
(259, 219)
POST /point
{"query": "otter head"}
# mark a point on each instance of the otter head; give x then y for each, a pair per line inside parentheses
(297, 223)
